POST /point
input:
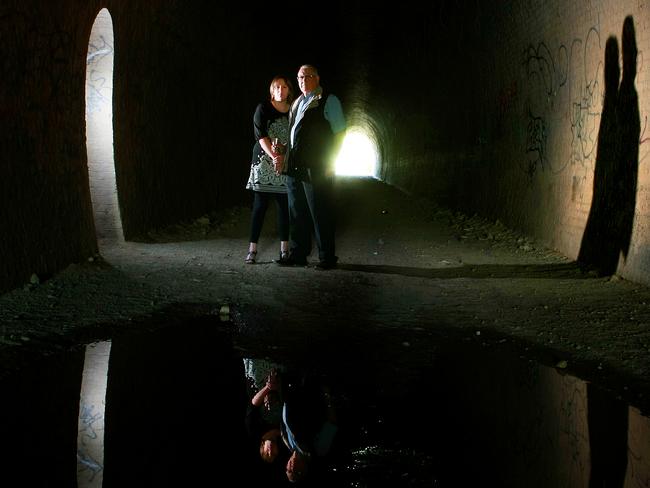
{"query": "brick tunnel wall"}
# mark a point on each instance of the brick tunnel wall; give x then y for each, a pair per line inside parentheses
(187, 77)
(44, 218)
(494, 109)
(567, 151)
(505, 108)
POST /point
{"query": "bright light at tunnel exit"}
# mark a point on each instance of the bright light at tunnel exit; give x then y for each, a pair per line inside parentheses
(358, 155)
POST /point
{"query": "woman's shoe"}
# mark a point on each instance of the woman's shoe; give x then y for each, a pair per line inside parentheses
(250, 257)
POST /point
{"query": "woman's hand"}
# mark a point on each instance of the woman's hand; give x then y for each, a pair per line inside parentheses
(278, 163)
(277, 147)
(272, 381)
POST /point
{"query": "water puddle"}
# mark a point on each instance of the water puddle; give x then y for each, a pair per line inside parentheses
(192, 405)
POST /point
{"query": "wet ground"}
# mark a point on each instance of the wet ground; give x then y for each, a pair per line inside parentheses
(415, 283)
(159, 410)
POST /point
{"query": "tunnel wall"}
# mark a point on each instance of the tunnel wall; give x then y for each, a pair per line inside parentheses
(167, 163)
(501, 114)
(422, 63)
(187, 77)
(181, 138)
(487, 108)
(45, 221)
(565, 131)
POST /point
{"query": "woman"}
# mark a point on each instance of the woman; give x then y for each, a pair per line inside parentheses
(264, 411)
(271, 130)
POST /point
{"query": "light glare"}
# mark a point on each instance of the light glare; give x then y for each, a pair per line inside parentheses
(358, 155)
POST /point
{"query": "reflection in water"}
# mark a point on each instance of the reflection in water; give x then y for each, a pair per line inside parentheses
(176, 402)
(310, 425)
(608, 421)
(264, 409)
(39, 412)
(174, 398)
(90, 438)
(292, 420)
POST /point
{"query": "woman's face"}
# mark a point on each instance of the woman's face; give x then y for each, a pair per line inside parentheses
(269, 450)
(280, 91)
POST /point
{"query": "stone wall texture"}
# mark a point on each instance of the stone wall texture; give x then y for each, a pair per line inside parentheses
(508, 116)
(530, 112)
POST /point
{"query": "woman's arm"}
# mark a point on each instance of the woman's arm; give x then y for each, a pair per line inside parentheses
(272, 383)
(265, 142)
(258, 399)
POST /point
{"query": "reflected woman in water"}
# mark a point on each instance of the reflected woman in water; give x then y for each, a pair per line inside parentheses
(264, 410)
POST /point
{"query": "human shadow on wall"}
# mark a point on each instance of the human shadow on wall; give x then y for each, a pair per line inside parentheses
(608, 231)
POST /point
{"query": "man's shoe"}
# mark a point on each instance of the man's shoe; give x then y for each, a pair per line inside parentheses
(292, 261)
(324, 265)
(284, 256)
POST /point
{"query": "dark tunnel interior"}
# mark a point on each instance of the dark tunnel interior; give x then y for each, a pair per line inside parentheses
(507, 208)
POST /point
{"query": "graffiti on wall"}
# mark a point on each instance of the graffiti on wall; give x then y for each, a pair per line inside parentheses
(643, 139)
(567, 78)
(99, 88)
(586, 96)
(548, 73)
(566, 85)
(542, 67)
(535, 143)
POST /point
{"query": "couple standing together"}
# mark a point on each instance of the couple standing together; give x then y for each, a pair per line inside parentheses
(293, 162)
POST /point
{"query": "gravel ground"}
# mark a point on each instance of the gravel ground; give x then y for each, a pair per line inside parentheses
(407, 268)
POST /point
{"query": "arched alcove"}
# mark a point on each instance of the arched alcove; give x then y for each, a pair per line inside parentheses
(99, 129)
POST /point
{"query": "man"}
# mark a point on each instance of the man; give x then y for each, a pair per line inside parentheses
(316, 128)
(309, 426)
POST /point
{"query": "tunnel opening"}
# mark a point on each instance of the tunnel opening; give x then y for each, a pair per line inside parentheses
(99, 129)
(358, 155)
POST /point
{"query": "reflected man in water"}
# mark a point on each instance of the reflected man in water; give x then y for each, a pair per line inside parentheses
(291, 420)
(309, 425)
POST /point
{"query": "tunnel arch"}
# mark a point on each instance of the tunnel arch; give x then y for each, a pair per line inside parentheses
(363, 127)
(99, 129)
(358, 155)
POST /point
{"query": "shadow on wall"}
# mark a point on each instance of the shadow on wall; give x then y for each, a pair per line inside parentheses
(609, 226)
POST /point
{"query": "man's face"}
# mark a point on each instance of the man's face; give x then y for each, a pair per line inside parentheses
(307, 80)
